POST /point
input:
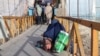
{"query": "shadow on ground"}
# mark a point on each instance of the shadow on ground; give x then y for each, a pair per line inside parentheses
(29, 48)
(30, 43)
(25, 46)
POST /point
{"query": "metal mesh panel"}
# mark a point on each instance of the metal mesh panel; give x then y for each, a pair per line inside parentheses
(12, 7)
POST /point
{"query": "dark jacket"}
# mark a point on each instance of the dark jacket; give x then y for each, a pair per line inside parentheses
(53, 29)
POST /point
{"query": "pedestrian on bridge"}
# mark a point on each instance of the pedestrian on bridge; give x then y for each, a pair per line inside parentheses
(48, 13)
(38, 14)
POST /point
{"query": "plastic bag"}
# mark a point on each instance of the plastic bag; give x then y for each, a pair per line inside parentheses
(61, 41)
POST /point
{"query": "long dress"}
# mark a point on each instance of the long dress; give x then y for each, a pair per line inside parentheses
(48, 12)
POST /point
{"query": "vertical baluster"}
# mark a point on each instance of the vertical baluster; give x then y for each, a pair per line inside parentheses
(67, 26)
(25, 22)
(18, 25)
(32, 20)
(94, 42)
(3, 40)
(28, 21)
(70, 39)
(5, 21)
(13, 27)
(22, 24)
(60, 20)
(63, 22)
(75, 44)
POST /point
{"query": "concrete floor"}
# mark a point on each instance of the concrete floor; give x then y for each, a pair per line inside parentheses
(24, 44)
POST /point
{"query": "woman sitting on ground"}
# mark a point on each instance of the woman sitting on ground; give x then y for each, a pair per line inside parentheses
(51, 33)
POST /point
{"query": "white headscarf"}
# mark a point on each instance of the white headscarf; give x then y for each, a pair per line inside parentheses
(39, 10)
(48, 11)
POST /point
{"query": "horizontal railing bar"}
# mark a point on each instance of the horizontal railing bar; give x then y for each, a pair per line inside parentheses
(10, 17)
(13, 17)
(91, 24)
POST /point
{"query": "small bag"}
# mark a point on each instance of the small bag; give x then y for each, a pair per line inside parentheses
(61, 41)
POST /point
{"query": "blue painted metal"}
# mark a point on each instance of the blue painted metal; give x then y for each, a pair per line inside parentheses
(30, 12)
(3, 30)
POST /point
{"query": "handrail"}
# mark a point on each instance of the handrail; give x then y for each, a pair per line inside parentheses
(16, 25)
(87, 23)
(75, 34)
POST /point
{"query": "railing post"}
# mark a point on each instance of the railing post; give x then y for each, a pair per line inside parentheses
(94, 42)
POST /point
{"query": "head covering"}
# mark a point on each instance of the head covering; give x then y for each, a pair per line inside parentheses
(39, 10)
(48, 4)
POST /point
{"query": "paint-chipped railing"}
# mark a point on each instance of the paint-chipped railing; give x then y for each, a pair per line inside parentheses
(75, 34)
(16, 25)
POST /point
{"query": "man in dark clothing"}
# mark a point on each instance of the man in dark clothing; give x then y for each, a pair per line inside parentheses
(53, 12)
(43, 15)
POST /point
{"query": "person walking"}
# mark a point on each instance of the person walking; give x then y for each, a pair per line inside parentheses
(43, 14)
(38, 13)
(53, 11)
(48, 13)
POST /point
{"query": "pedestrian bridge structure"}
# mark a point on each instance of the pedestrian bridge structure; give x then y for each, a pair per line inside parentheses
(24, 34)
(20, 33)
